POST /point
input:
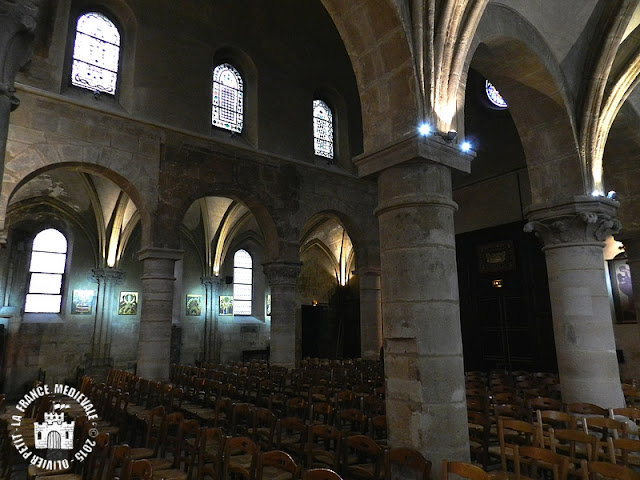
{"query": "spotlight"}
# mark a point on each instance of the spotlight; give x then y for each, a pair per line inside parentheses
(612, 195)
(597, 193)
(450, 136)
(465, 146)
(424, 129)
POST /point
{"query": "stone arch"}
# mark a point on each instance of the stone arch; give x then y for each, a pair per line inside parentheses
(350, 226)
(383, 65)
(263, 216)
(513, 56)
(36, 164)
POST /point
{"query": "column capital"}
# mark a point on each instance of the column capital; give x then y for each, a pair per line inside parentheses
(414, 148)
(282, 273)
(114, 275)
(581, 220)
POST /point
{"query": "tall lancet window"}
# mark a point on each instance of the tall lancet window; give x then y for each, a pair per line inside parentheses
(96, 54)
(242, 283)
(46, 271)
(227, 98)
(322, 129)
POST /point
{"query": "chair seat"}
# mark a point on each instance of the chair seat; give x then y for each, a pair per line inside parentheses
(241, 461)
(273, 473)
(33, 471)
(171, 474)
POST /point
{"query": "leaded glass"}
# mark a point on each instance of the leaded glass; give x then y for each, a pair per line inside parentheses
(96, 53)
(242, 283)
(322, 129)
(47, 265)
(227, 98)
(494, 95)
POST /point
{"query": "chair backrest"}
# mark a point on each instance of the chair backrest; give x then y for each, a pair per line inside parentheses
(99, 458)
(532, 458)
(138, 470)
(463, 469)
(367, 454)
(212, 442)
(577, 443)
(594, 470)
(118, 459)
(604, 427)
(582, 409)
(320, 474)
(620, 448)
(399, 462)
(239, 447)
(279, 461)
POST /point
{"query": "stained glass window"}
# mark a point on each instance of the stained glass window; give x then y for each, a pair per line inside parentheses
(96, 53)
(322, 129)
(46, 269)
(227, 99)
(494, 95)
(242, 282)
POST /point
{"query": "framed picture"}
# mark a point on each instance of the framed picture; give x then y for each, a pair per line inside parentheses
(194, 305)
(82, 302)
(128, 304)
(496, 257)
(226, 305)
(622, 290)
(268, 302)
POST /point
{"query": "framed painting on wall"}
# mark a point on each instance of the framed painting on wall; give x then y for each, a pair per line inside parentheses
(622, 290)
(128, 304)
(226, 305)
(496, 257)
(194, 305)
(82, 302)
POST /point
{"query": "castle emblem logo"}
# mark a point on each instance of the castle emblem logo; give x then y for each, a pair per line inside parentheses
(54, 432)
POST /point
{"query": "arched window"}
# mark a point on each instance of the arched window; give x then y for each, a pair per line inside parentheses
(96, 53)
(322, 129)
(242, 283)
(46, 270)
(494, 95)
(227, 98)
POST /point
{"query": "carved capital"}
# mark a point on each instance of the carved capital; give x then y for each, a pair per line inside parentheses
(211, 281)
(108, 275)
(582, 221)
(21, 14)
(282, 273)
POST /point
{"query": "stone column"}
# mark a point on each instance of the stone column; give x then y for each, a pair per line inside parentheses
(573, 237)
(211, 341)
(424, 369)
(285, 327)
(370, 313)
(154, 344)
(107, 279)
(17, 26)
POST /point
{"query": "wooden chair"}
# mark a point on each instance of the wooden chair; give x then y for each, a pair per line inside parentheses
(583, 409)
(624, 451)
(513, 432)
(575, 444)
(597, 470)
(403, 463)
(323, 447)
(362, 457)
(241, 419)
(547, 419)
(479, 431)
(138, 470)
(320, 474)
(239, 458)
(351, 421)
(464, 470)
(210, 458)
(604, 428)
(528, 460)
(291, 437)
(263, 428)
(276, 465)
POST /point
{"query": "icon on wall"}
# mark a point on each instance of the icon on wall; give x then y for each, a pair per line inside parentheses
(622, 290)
(82, 302)
(128, 304)
(194, 305)
(226, 305)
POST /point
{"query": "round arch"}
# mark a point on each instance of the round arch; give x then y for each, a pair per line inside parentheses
(383, 66)
(510, 53)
